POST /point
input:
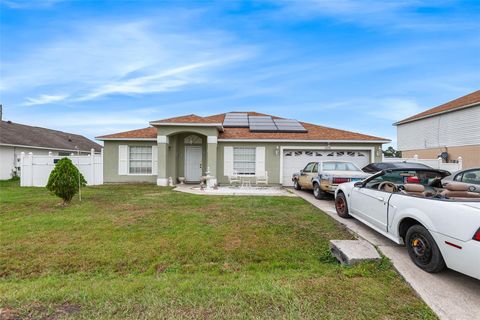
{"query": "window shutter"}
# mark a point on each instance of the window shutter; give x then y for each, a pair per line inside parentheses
(228, 161)
(260, 161)
(154, 159)
(122, 160)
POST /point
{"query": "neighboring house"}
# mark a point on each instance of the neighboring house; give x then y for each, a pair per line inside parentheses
(452, 128)
(247, 143)
(17, 138)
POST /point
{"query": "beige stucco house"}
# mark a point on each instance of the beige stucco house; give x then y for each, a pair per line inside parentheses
(452, 128)
(247, 143)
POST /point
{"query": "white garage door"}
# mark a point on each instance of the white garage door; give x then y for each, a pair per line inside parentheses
(296, 160)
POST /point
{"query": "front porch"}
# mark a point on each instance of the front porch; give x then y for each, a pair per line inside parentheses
(186, 153)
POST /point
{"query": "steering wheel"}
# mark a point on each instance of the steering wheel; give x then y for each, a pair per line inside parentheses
(384, 184)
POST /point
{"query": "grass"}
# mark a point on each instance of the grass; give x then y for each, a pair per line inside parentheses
(146, 252)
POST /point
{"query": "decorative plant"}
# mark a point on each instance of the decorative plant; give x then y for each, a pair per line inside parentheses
(65, 180)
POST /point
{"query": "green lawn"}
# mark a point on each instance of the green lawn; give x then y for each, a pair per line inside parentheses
(142, 251)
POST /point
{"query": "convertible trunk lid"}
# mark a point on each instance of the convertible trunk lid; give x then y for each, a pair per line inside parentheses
(473, 204)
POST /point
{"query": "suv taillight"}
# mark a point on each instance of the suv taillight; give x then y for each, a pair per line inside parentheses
(476, 236)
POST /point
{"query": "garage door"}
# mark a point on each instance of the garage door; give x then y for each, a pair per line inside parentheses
(295, 160)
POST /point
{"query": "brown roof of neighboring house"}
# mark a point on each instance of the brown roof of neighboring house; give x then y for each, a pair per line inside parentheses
(315, 132)
(470, 99)
(22, 135)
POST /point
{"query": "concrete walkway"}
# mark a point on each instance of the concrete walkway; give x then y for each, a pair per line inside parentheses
(450, 294)
(236, 191)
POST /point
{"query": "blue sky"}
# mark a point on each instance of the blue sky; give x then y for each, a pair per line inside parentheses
(98, 67)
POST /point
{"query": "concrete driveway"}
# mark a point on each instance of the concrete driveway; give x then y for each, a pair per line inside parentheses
(450, 294)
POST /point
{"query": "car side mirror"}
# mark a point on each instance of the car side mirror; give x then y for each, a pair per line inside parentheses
(301, 172)
(358, 184)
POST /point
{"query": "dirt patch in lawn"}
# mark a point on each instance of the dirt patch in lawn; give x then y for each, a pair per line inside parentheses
(38, 311)
(129, 214)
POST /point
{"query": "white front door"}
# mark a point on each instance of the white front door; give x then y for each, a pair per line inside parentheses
(193, 163)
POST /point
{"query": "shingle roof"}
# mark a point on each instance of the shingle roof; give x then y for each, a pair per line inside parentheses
(470, 99)
(315, 132)
(145, 133)
(22, 135)
(191, 118)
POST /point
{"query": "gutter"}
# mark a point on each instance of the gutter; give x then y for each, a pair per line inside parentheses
(43, 148)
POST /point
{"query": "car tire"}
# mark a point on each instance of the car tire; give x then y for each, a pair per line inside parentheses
(423, 250)
(296, 185)
(341, 206)
(317, 192)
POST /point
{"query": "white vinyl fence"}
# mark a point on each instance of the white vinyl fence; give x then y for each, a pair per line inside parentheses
(434, 163)
(35, 169)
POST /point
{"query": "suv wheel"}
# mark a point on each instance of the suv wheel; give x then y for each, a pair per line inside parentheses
(296, 185)
(423, 250)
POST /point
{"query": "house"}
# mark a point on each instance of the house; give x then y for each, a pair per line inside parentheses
(16, 138)
(449, 130)
(249, 143)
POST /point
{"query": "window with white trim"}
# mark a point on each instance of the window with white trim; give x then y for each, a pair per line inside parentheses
(244, 161)
(140, 160)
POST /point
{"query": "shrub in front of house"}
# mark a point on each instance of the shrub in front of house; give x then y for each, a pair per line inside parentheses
(65, 180)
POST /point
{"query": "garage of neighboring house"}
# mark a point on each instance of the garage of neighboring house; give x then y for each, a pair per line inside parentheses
(294, 160)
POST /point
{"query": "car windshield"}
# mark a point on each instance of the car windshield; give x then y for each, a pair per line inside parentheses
(339, 166)
(401, 177)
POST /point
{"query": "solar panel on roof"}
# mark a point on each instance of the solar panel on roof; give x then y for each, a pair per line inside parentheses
(288, 125)
(262, 124)
(263, 128)
(236, 120)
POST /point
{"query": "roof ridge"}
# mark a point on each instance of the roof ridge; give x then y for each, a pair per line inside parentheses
(472, 99)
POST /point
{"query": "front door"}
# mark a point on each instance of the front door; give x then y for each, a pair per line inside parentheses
(193, 163)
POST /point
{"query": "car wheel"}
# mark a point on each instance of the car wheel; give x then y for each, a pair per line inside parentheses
(317, 192)
(423, 250)
(296, 185)
(341, 206)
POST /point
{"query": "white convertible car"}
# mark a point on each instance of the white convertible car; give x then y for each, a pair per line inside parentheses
(440, 225)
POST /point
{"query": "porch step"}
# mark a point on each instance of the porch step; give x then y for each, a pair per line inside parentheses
(351, 252)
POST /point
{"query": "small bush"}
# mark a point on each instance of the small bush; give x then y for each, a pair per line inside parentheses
(64, 180)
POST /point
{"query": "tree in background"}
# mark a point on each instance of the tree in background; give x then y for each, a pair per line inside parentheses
(65, 180)
(392, 153)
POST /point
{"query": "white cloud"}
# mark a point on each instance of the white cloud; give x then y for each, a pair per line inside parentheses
(391, 14)
(44, 99)
(394, 109)
(99, 59)
(29, 4)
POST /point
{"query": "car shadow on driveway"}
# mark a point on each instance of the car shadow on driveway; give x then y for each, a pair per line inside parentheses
(451, 295)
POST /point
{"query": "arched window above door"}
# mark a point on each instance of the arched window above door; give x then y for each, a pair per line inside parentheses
(193, 139)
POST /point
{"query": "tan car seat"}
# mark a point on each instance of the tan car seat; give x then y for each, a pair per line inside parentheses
(459, 190)
(414, 189)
